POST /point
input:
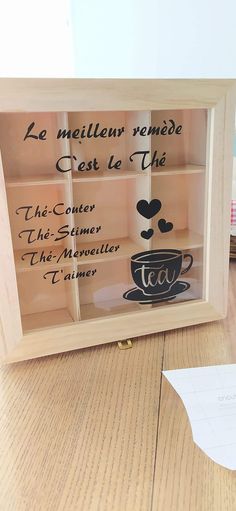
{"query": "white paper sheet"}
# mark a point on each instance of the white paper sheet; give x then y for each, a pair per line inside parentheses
(209, 396)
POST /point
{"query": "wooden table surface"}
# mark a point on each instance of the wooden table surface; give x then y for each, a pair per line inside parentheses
(102, 430)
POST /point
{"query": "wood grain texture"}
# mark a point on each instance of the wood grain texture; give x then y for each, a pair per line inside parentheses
(78, 431)
(118, 327)
(185, 478)
(59, 94)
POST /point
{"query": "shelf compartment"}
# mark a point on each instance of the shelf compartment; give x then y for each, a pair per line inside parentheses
(46, 319)
(183, 148)
(38, 198)
(31, 157)
(102, 294)
(39, 297)
(88, 148)
(102, 148)
(183, 205)
(113, 213)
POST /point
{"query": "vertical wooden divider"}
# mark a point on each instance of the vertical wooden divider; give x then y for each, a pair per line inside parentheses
(198, 190)
(151, 225)
(208, 201)
(72, 285)
(142, 184)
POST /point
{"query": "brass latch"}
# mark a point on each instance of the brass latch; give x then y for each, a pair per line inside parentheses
(125, 345)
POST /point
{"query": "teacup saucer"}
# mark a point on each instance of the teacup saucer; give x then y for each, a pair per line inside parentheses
(137, 295)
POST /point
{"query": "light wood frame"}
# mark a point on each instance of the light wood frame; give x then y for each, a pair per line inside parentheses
(72, 95)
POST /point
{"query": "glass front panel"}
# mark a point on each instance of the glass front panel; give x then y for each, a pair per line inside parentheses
(107, 211)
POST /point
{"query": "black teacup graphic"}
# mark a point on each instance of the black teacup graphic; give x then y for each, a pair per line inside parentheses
(156, 271)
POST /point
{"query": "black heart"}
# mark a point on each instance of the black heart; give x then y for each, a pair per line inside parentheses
(148, 209)
(147, 234)
(165, 226)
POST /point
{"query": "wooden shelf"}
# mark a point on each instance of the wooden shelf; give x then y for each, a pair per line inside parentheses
(37, 180)
(106, 175)
(182, 239)
(109, 308)
(40, 320)
(179, 169)
(22, 266)
(126, 249)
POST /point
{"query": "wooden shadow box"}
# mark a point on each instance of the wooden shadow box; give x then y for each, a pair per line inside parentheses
(114, 209)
